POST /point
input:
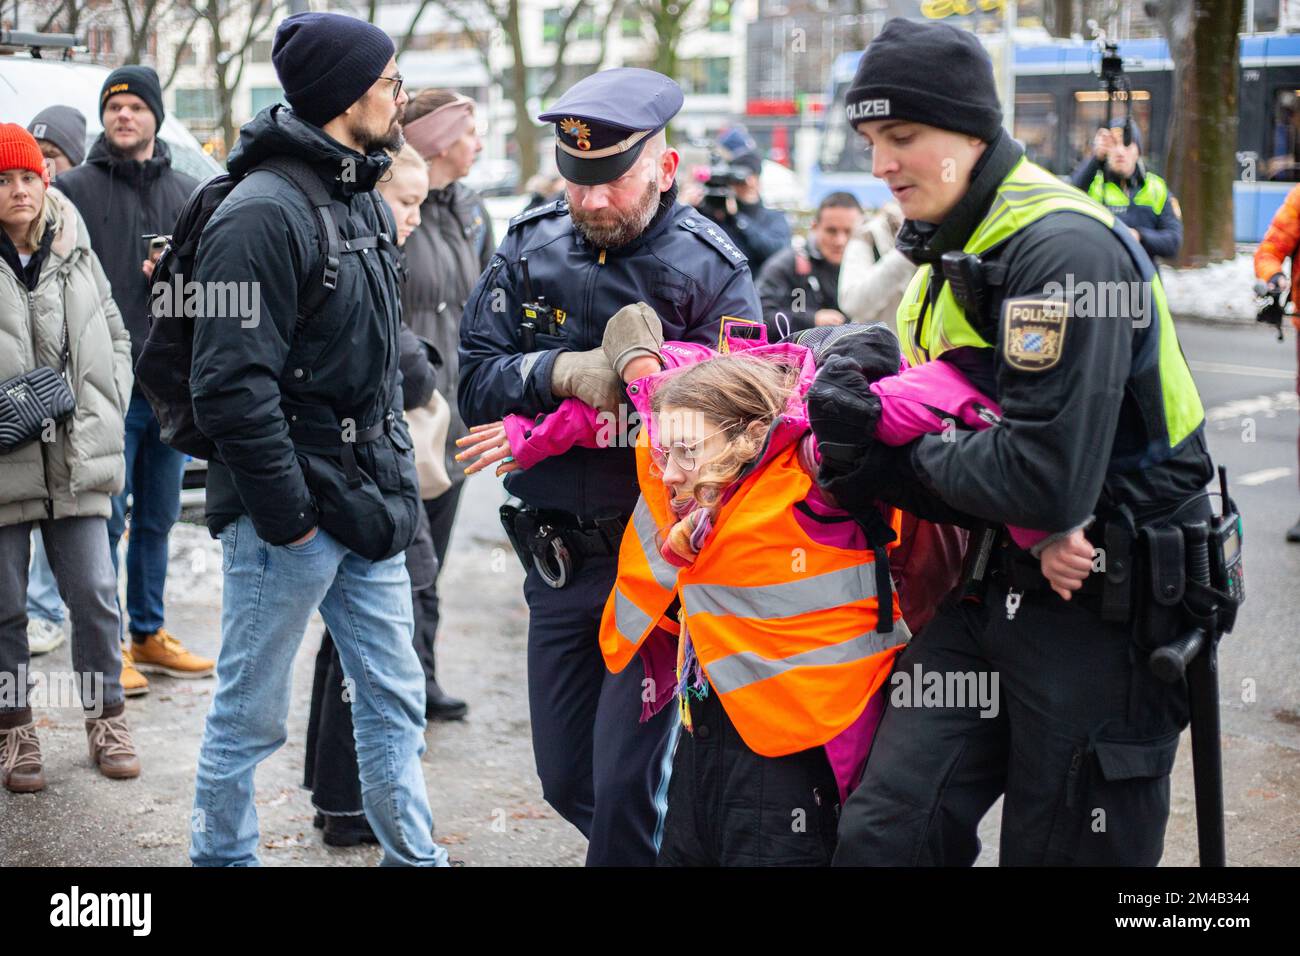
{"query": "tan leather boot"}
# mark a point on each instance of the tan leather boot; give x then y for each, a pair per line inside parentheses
(111, 747)
(21, 770)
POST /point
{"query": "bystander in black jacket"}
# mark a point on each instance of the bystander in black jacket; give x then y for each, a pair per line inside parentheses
(760, 232)
(123, 200)
(797, 282)
(280, 398)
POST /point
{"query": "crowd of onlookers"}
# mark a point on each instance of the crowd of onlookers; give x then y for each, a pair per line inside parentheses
(76, 262)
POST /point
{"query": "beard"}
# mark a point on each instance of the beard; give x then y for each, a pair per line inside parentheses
(606, 232)
(391, 140)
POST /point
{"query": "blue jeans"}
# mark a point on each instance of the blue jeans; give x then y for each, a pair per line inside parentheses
(153, 482)
(270, 592)
(43, 599)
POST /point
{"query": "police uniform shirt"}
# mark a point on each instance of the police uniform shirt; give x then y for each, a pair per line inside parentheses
(682, 266)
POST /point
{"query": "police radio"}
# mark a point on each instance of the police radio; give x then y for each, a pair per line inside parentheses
(537, 314)
(1227, 573)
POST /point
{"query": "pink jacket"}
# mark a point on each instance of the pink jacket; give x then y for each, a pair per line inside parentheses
(921, 400)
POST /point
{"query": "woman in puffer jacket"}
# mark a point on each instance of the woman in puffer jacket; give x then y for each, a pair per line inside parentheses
(52, 291)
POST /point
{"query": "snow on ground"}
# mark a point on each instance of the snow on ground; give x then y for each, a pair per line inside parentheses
(1221, 292)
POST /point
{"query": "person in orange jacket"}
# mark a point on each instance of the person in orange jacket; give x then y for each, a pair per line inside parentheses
(1281, 242)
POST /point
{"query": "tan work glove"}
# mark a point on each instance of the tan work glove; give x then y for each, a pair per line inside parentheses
(587, 377)
(632, 332)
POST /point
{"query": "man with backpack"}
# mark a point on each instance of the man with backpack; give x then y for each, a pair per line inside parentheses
(125, 190)
(312, 486)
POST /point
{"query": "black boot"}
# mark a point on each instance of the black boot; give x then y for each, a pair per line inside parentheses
(1293, 533)
(439, 706)
(347, 831)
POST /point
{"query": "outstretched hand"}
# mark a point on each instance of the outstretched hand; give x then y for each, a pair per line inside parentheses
(490, 446)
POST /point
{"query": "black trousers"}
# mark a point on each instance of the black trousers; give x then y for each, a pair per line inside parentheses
(1081, 743)
(330, 769)
(728, 806)
(600, 768)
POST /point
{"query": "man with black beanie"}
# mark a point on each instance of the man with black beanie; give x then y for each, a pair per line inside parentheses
(1101, 435)
(313, 490)
(125, 190)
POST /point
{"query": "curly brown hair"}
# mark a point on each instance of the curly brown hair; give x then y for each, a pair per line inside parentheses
(740, 393)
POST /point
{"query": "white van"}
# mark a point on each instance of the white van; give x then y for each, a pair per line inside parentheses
(28, 85)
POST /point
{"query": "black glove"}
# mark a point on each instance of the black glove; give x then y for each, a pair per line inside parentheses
(879, 470)
(1277, 283)
(843, 412)
(874, 347)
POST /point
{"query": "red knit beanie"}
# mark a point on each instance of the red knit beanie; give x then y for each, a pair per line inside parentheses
(18, 150)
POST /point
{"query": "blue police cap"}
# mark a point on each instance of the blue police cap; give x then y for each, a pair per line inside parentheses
(603, 121)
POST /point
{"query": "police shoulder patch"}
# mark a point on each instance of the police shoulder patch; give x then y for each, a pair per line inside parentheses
(713, 236)
(1033, 333)
(555, 207)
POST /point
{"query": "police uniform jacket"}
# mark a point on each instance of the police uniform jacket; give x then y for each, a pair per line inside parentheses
(682, 265)
(1161, 229)
(1051, 462)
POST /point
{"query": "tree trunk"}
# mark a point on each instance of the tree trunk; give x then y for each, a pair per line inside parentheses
(525, 131)
(1062, 18)
(1201, 164)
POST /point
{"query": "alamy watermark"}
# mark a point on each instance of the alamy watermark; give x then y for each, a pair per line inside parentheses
(922, 688)
(1105, 300)
(53, 689)
(212, 300)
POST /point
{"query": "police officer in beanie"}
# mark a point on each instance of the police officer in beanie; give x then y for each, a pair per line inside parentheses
(619, 236)
(1100, 443)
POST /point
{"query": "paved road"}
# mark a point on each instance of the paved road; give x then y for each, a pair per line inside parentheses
(486, 799)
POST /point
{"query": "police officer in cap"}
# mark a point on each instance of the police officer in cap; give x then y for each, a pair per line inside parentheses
(1033, 681)
(532, 336)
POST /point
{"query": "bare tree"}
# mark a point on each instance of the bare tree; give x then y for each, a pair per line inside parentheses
(1201, 162)
(141, 18)
(249, 21)
(506, 14)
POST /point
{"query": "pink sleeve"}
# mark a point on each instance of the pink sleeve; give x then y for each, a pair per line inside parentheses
(574, 423)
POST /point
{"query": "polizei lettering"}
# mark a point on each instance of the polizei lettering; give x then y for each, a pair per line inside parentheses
(867, 109)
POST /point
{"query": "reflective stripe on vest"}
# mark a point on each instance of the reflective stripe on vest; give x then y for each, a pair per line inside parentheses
(1159, 376)
(1153, 193)
(728, 674)
(784, 624)
(803, 596)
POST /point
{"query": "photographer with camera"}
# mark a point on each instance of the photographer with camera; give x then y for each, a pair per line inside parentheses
(730, 197)
(1115, 176)
(1280, 243)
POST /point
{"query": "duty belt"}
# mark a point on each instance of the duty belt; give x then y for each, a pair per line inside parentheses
(555, 542)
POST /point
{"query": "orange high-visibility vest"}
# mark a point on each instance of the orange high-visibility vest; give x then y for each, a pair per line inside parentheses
(783, 625)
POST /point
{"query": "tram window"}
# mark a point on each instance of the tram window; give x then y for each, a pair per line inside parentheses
(1090, 116)
(1284, 137)
(1036, 122)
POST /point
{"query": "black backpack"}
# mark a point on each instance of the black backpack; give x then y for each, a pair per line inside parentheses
(163, 369)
